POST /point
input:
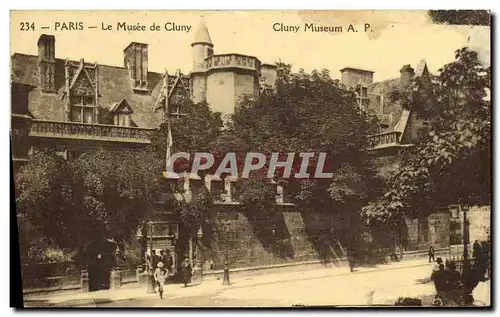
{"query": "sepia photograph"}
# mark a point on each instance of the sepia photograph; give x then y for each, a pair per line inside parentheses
(265, 159)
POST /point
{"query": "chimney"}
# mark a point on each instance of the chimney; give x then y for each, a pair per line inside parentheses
(407, 74)
(136, 61)
(47, 62)
(353, 76)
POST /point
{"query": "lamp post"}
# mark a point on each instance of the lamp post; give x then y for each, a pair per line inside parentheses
(197, 270)
(225, 280)
(466, 273)
(466, 241)
(151, 278)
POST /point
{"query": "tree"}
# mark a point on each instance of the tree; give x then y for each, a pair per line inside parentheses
(47, 199)
(195, 131)
(452, 164)
(119, 188)
(309, 113)
(461, 17)
(101, 193)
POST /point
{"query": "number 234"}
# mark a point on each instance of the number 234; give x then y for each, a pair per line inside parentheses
(27, 26)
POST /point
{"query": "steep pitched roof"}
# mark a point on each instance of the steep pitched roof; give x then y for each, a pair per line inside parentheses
(421, 68)
(400, 117)
(114, 86)
(121, 106)
(202, 35)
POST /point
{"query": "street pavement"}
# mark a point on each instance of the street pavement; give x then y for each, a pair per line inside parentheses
(380, 285)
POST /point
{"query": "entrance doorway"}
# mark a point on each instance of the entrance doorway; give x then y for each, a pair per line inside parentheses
(100, 258)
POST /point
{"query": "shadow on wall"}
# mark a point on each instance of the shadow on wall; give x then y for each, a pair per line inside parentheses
(320, 232)
(384, 245)
(270, 228)
(334, 237)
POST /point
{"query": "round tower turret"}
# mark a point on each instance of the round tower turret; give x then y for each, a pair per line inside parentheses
(202, 47)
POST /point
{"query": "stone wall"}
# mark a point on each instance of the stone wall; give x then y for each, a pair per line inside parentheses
(220, 91)
(424, 232)
(281, 238)
(479, 223)
(290, 236)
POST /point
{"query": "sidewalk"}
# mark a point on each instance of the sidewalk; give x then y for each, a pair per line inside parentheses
(209, 286)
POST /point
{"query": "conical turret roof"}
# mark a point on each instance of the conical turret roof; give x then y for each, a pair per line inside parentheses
(202, 35)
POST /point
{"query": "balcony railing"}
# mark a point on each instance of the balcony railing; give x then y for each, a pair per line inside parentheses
(232, 60)
(384, 140)
(86, 131)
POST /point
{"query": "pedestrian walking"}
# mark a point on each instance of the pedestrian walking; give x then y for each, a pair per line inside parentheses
(431, 254)
(160, 276)
(186, 271)
(350, 260)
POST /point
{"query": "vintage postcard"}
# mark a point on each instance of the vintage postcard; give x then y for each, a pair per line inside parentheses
(252, 158)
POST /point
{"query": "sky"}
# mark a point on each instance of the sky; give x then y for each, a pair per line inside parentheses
(395, 38)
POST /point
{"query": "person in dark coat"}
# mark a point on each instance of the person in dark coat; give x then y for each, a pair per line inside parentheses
(476, 252)
(350, 260)
(431, 254)
(186, 270)
(169, 262)
(154, 260)
(485, 259)
(440, 279)
(162, 257)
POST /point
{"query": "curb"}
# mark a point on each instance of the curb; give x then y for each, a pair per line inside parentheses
(94, 302)
(215, 275)
(317, 277)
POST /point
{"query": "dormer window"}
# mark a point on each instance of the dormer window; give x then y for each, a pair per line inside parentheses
(122, 119)
(82, 109)
(122, 113)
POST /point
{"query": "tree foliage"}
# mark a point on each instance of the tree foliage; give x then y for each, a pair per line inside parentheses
(309, 113)
(101, 193)
(195, 131)
(119, 188)
(461, 17)
(46, 196)
(452, 165)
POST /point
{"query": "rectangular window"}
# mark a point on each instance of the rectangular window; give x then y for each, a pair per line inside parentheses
(231, 235)
(364, 92)
(89, 101)
(82, 109)
(122, 120)
(423, 231)
(76, 114)
(87, 115)
(217, 189)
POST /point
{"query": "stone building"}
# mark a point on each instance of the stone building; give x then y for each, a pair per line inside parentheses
(74, 106)
(398, 129)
